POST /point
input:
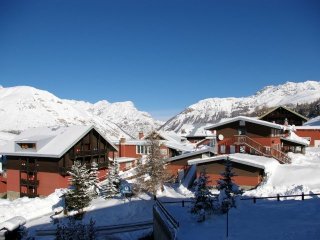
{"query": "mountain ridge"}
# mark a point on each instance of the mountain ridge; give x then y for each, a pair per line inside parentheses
(212, 110)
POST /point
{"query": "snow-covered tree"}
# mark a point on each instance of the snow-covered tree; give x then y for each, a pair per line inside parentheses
(94, 177)
(202, 194)
(227, 188)
(109, 189)
(152, 174)
(78, 196)
(116, 176)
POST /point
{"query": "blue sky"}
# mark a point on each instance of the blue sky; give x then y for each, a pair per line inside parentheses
(162, 55)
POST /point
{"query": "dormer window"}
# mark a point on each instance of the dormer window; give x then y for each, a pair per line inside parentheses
(27, 145)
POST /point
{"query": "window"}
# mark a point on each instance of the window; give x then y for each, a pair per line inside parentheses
(222, 148)
(142, 149)
(27, 145)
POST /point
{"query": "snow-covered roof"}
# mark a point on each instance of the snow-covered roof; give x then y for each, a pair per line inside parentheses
(313, 122)
(190, 154)
(308, 127)
(187, 147)
(125, 159)
(247, 119)
(199, 132)
(296, 139)
(51, 141)
(132, 142)
(246, 159)
(288, 109)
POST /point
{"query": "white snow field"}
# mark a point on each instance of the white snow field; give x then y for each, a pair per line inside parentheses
(267, 219)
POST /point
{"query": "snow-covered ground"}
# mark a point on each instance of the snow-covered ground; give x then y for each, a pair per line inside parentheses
(267, 219)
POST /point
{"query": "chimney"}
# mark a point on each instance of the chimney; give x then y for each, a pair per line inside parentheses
(141, 135)
(122, 146)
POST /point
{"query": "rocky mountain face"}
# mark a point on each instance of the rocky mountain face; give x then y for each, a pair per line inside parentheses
(25, 107)
(212, 110)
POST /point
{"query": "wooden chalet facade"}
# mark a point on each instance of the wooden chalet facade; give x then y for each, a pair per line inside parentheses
(248, 174)
(38, 161)
(284, 116)
(249, 135)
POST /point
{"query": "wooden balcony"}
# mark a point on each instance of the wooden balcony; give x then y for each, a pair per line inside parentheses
(28, 167)
(85, 153)
(260, 149)
(29, 182)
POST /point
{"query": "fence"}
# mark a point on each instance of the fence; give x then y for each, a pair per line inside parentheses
(278, 197)
(165, 226)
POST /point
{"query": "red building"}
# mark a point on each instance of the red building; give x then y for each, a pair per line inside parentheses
(249, 170)
(250, 135)
(311, 133)
(37, 161)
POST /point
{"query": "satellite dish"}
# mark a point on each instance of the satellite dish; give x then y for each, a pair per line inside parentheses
(220, 137)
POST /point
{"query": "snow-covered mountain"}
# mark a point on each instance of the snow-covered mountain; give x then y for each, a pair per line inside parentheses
(212, 110)
(24, 107)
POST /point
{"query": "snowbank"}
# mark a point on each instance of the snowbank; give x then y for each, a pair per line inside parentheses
(29, 208)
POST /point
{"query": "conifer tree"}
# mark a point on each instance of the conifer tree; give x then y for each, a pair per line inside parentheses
(94, 177)
(78, 197)
(203, 196)
(152, 174)
(116, 176)
(110, 189)
(227, 188)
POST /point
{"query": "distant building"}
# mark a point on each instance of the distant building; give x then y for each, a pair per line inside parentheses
(39, 159)
(284, 116)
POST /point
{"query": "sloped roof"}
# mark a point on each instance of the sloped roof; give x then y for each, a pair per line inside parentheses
(247, 119)
(246, 159)
(53, 141)
(190, 154)
(288, 109)
(294, 138)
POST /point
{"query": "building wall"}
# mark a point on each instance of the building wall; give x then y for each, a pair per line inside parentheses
(173, 167)
(246, 176)
(314, 134)
(3, 185)
(48, 182)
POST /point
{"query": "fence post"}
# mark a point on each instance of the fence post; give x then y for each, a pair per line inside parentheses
(278, 197)
(154, 197)
(182, 203)
(254, 200)
(302, 196)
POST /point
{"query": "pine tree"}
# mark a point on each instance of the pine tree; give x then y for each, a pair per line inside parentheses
(78, 197)
(227, 188)
(152, 174)
(109, 189)
(116, 176)
(203, 196)
(94, 177)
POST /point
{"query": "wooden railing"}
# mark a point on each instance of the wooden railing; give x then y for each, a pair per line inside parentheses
(83, 153)
(278, 197)
(261, 150)
(29, 182)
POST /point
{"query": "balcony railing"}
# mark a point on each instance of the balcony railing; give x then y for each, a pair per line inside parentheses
(262, 150)
(28, 167)
(83, 153)
(29, 182)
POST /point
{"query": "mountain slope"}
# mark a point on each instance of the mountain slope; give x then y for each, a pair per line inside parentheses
(212, 110)
(24, 107)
